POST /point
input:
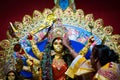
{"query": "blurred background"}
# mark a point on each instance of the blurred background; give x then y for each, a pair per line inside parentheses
(14, 10)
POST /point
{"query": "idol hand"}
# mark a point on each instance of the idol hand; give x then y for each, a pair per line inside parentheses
(91, 40)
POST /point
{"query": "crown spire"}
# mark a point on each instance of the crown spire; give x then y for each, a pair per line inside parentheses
(64, 4)
(13, 27)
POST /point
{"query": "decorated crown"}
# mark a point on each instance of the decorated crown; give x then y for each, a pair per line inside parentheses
(57, 30)
(76, 24)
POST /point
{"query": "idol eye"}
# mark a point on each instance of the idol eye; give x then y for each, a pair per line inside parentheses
(11, 75)
(61, 43)
(55, 43)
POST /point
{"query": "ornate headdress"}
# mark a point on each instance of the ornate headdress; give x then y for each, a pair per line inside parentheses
(57, 30)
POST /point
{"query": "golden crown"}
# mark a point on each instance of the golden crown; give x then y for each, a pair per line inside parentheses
(57, 30)
(40, 22)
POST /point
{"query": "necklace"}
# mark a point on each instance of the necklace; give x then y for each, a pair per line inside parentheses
(58, 62)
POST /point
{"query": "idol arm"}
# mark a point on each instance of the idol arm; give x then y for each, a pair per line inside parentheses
(31, 60)
(82, 52)
(35, 50)
(87, 46)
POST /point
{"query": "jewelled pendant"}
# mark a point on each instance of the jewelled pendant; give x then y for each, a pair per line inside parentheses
(63, 4)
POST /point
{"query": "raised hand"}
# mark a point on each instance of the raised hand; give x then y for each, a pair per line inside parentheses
(65, 40)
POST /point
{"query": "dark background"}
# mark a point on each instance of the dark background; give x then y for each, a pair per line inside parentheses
(14, 10)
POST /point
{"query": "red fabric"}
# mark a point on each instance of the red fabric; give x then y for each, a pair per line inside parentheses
(22, 52)
(59, 74)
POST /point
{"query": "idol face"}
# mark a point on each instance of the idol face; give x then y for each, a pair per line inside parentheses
(11, 76)
(58, 46)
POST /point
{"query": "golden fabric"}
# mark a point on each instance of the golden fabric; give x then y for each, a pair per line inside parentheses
(78, 67)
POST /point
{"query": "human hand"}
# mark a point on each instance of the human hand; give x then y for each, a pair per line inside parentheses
(65, 40)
